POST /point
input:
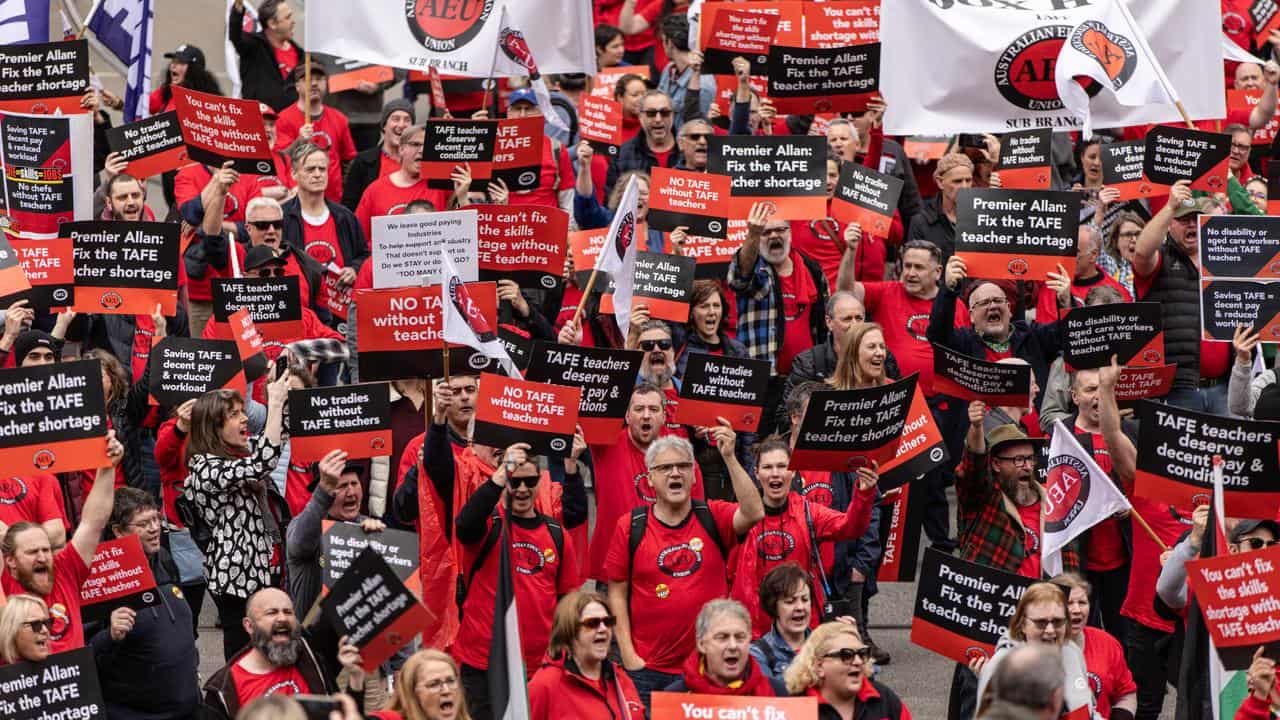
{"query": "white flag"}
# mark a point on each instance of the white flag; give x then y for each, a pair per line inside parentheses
(618, 256)
(465, 325)
(513, 57)
(1232, 51)
(1078, 495)
(949, 66)
(1110, 48)
(456, 38)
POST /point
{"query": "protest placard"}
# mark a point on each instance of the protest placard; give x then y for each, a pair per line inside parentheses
(186, 368)
(374, 609)
(692, 706)
(600, 123)
(584, 250)
(348, 74)
(1017, 234)
(509, 410)
(1177, 153)
(1225, 304)
(125, 268)
(524, 243)
(719, 386)
(1239, 246)
(1239, 598)
(13, 280)
(399, 333)
(44, 78)
(866, 197)
(353, 418)
(120, 576)
(970, 378)
(451, 143)
(1136, 383)
(1025, 162)
(1244, 101)
(1133, 332)
(517, 154)
(517, 343)
(48, 172)
(712, 256)
(698, 201)
(902, 539)
(341, 542)
(806, 80)
(249, 344)
(605, 81)
(920, 449)
(1122, 170)
(963, 608)
(47, 265)
(741, 33)
(63, 686)
(1175, 447)
(844, 430)
(663, 282)
(151, 145)
(407, 248)
(54, 418)
(789, 170)
(273, 304)
(217, 129)
(605, 376)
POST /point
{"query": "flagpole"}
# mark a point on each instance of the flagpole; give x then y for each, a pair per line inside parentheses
(84, 26)
(586, 292)
(493, 83)
(1142, 523)
(1141, 39)
(306, 88)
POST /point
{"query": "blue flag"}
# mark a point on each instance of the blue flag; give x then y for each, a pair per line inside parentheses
(24, 21)
(124, 27)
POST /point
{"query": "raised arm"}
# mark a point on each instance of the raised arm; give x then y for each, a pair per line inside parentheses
(97, 506)
(1124, 456)
(750, 505)
(1153, 234)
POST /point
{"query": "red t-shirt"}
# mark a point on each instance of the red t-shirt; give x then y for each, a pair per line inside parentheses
(675, 572)
(664, 157)
(816, 487)
(280, 681)
(997, 355)
(387, 164)
(545, 193)
(622, 483)
(1104, 547)
(286, 59)
(1047, 309)
(1107, 671)
(69, 573)
(1145, 569)
(383, 197)
(30, 499)
(1030, 516)
(539, 576)
(798, 299)
(673, 400)
(330, 132)
(905, 321)
(609, 11)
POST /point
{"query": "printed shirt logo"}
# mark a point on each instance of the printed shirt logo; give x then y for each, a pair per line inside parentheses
(288, 687)
(1115, 53)
(528, 559)
(775, 545)
(446, 25)
(12, 491)
(918, 326)
(680, 560)
(644, 489)
(61, 621)
(1024, 72)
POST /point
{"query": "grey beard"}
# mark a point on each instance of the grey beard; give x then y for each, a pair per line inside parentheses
(279, 655)
(660, 378)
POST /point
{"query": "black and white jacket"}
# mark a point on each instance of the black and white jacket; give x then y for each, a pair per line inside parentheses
(227, 492)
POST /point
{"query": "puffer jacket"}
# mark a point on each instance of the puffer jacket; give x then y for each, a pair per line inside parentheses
(559, 690)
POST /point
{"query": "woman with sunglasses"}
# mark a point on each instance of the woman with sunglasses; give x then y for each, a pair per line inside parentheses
(1041, 617)
(1110, 679)
(427, 688)
(835, 666)
(577, 681)
(24, 630)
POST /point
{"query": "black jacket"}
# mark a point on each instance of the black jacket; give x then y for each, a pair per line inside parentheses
(816, 365)
(351, 239)
(635, 154)
(360, 175)
(160, 648)
(1038, 344)
(259, 72)
(888, 706)
(932, 224)
(1176, 287)
(222, 702)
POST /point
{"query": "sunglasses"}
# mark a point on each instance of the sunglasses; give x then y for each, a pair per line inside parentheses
(649, 345)
(664, 112)
(40, 625)
(595, 622)
(529, 481)
(846, 655)
(1044, 623)
(1257, 543)
(695, 137)
(271, 272)
(265, 225)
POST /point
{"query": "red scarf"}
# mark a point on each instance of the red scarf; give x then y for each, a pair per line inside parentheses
(755, 683)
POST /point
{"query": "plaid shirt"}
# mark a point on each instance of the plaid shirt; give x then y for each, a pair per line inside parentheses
(761, 324)
(991, 532)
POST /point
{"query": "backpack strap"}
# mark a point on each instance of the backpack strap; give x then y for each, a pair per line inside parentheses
(702, 512)
(639, 518)
(557, 539)
(490, 542)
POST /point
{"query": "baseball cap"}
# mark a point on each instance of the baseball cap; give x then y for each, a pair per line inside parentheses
(1198, 206)
(317, 68)
(522, 95)
(1244, 527)
(189, 54)
(260, 256)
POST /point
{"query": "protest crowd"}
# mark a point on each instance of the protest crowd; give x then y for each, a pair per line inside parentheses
(457, 389)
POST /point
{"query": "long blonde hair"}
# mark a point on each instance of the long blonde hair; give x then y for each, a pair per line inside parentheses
(848, 375)
(11, 620)
(803, 673)
(405, 700)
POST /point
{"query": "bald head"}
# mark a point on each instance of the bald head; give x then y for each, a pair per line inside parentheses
(266, 600)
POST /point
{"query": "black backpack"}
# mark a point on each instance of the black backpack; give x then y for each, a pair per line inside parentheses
(701, 512)
(491, 541)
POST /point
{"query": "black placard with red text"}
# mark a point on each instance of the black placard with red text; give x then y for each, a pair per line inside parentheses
(970, 378)
(273, 303)
(603, 374)
(843, 430)
(1122, 170)
(374, 609)
(962, 608)
(125, 268)
(1025, 162)
(719, 386)
(151, 146)
(807, 80)
(1016, 234)
(53, 418)
(217, 129)
(663, 282)
(186, 368)
(509, 410)
(789, 171)
(866, 197)
(44, 78)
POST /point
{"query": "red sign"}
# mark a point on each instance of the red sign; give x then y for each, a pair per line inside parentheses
(600, 123)
(738, 33)
(1237, 597)
(399, 333)
(524, 243)
(687, 706)
(517, 155)
(584, 249)
(698, 201)
(510, 410)
(1247, 100)
(375, 74)
(47, 265)
(606, 81)
(217, 129)
(1136, 383)
(250, 344)
(120, 576)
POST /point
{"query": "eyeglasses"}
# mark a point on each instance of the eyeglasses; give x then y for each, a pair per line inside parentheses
(989, 302)
(265, 225)
(1258, 194)
(1241, 147)
(664, 112)
(695, 137)
(153, 521)
(440, 684)
(595, 622)
(649, 345)
(1017, 459)
(779, 231)
(529, 481)
(671, 468)
(271, 272)
(846, 655)
(1257, 543)
(1045, 623)
(1130, 234)
(38, 626)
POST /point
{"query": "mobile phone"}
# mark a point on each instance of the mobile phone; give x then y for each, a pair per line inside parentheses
(282, 364)
(971, 140)
(836, 607)
(318, 707)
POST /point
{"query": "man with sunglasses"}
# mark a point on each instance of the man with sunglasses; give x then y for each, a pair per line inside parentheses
(692, 143)
(653, 146)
